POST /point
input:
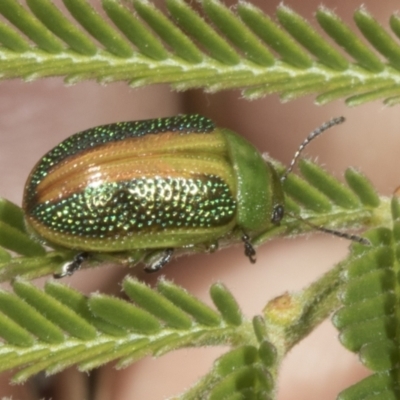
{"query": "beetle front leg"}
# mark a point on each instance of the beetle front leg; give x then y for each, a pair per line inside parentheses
(164, 259)
(249, 250)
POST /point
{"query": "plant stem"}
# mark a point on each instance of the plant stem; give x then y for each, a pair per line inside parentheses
(292, 316)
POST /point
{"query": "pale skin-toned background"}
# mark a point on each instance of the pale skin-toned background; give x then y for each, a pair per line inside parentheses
(36, 116)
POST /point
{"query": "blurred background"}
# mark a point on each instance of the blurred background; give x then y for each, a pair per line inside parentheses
(36, 116)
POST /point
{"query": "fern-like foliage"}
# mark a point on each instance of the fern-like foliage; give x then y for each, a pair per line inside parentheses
(369, 319)
(316, 200)
(58, 327)
(215, 49)
(52, 329)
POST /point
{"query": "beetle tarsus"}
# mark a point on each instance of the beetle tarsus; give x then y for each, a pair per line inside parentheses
(70, 267)
(249, 250)
(159, 263)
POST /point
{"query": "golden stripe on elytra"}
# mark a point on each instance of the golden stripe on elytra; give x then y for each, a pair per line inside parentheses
(117, 153)
(62, 186)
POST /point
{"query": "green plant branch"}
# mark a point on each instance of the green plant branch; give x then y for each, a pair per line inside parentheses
(57, 327)
(101, 328)
(140, 71)
(214, 49)
(368, 319)
(292, 316)
(54, 328)
(316, 199)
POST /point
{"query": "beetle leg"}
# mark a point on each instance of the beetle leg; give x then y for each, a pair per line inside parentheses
(70, 267)
(165, 258)
(249, 250)
(212, 247)
(277, 214)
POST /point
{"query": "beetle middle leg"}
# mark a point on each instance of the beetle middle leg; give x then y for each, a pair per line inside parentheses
(70, 267)
(164, 259)
(249, 250)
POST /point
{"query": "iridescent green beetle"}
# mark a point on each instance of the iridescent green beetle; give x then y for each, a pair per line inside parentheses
(152, 187)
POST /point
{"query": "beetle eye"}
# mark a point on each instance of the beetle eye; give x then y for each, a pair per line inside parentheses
(277, 214)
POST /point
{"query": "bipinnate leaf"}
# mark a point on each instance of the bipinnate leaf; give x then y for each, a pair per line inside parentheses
(210, 46)
(368, 321)
(58, 327)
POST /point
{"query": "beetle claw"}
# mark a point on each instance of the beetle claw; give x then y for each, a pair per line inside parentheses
(249, 250)
(70, 267)
(160, 262)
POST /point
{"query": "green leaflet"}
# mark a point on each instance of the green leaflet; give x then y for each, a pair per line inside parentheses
(239, 373)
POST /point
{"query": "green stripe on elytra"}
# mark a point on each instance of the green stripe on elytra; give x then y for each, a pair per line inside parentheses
(142, 205)
(100, 135)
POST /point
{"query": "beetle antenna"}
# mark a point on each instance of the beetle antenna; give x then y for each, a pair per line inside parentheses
(344, 235)
(327, 125)
(309, 138)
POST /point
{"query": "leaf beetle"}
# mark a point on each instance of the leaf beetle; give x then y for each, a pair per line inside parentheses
(152, 187)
